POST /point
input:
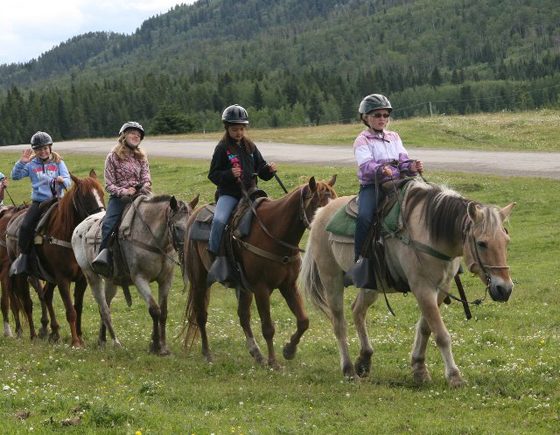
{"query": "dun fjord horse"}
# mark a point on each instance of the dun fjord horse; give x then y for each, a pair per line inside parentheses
(437, 222)
(155, 230)
(270, 259)
(55, 252)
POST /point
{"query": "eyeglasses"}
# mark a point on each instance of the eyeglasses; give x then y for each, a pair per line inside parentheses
(380, 115)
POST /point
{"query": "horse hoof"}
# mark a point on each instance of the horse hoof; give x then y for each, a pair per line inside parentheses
(348, 372)
(422, 377)
(455, 381)
(362, 368)
(164, 352)
(274, 365)
(289, 351)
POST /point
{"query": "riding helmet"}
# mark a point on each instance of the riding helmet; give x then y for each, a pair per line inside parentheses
(235, 114)
(40, 139)
(132, 124)
(374, 102)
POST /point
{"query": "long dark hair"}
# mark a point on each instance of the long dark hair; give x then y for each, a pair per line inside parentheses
(247, 143)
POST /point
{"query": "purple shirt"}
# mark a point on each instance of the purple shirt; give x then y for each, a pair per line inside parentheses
(374, 150)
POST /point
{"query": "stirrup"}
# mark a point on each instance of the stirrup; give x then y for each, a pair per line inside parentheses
(102, 264)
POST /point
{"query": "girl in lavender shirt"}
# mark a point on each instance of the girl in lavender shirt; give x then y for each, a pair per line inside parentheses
(381, 157)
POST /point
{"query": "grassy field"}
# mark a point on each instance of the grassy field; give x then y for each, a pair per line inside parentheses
(509, 353)
(512, 131)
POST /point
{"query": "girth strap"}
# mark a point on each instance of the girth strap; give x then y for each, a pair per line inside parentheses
(422, 247)
(262, 253)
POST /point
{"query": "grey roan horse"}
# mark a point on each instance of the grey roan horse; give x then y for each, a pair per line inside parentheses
(435, 219)
(154, 230)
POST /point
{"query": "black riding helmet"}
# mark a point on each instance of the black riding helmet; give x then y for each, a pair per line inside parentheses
(132, 124)
(40, 139)
(235, 114)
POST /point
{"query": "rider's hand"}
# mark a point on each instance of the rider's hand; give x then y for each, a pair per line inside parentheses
(236, 171)
(387, 171)
(26, 155)
(130, 191)
(272, 167)
(59, 180)
(418, 166)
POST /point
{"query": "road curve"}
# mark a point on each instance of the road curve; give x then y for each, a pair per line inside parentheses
(534, 164)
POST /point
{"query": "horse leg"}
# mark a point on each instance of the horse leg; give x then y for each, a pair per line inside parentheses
(6, 303)
(36, 284)
(359, 311)
(418, 355)
(103, 293)
(21, 287)
(163, 293)
(200, 300)
(262, 299)
(143, 287)
(244, 300)
(64, 289)
(428, 302)
(48, 292)
(79, 290)
(295, 303)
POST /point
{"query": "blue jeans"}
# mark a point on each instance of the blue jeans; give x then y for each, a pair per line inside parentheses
(112, 217)
(27, 228)
(368, 199)
(224, 208)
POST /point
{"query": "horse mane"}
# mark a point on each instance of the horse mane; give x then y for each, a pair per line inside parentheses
(443, 209)
(159, 198)
(66, 222)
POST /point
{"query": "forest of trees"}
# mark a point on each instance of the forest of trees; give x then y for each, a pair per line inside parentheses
(289, 63)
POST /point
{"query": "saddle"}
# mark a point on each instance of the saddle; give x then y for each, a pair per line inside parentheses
(388, 222)
(122, 232)
(239, 227)
(36, 268)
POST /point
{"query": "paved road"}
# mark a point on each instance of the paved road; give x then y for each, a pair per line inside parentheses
(537, 164)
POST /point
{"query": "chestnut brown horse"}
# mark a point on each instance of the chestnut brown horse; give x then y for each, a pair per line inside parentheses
(55, 253)
(439, 227)
(271, 246)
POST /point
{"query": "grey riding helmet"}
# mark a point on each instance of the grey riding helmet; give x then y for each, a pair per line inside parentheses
(40, 139)
(132, 124)
(374, 102)
(235, 114)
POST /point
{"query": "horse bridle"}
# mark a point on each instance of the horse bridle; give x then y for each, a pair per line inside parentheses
(473, 248)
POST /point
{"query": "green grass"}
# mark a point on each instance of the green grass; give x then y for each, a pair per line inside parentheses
(509, 353)
(511, 131)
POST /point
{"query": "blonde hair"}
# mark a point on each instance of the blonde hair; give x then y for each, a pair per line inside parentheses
(122, 150)
(55, 157)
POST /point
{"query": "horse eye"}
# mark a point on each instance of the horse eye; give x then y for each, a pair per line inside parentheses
(482, 245)
(506, 230)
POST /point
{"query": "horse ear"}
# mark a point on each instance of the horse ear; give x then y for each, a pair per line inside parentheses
(332, 180)
(173, 203)
(92, 173)
(194, 202)
(506, 211)
(312, 184)
(473, 211)
(74, 178)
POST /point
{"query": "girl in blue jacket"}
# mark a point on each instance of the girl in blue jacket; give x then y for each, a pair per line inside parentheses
(49, 177)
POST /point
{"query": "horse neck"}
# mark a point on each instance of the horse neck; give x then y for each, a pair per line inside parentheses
(283, 217)
(154, 216)
(64, 218)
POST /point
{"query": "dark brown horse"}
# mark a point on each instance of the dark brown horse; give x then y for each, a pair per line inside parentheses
(55, 253)
(271, 246)
(22, 300)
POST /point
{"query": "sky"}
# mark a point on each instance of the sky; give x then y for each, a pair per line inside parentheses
(29, 28)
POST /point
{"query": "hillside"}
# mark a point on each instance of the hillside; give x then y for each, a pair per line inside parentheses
(290, 62)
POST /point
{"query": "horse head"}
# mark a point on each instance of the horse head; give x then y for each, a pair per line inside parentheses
(177, 220)
(314, 195)
(87, 195)
(485, 247)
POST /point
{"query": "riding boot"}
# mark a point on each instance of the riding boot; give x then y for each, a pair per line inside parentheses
(103, 263)
(220, 271)
(20, 265)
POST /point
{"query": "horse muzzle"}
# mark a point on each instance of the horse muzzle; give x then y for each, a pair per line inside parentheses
(500, 290)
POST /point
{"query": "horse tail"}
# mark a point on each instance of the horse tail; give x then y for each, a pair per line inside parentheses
(189, 331)
(310, 280)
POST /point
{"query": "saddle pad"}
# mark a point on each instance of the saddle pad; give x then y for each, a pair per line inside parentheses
(93, 235)
(200, 229)
(341, 223)
(128, 216)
